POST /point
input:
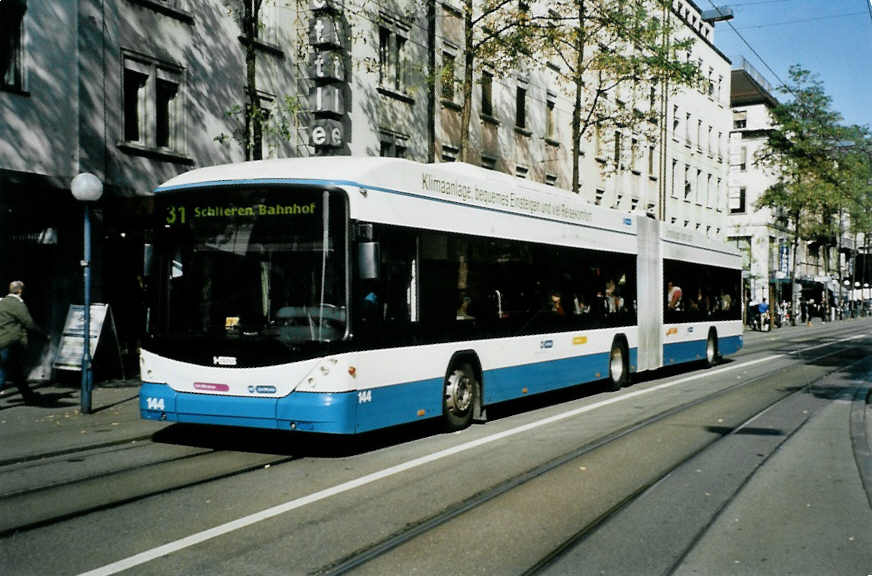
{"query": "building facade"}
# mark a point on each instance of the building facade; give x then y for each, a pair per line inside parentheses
(137, 91)
(759, 233)
(522, 125)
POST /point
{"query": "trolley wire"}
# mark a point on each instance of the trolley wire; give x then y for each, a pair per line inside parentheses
(802, 20)
(754, 51)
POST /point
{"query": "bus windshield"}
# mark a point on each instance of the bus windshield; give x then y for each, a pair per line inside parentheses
(251, 263)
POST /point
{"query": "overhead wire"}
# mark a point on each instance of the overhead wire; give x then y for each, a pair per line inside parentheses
(754, 51)
(815, 19)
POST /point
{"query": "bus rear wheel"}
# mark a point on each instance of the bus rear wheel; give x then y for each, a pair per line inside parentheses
(461, 388)
(619, 365)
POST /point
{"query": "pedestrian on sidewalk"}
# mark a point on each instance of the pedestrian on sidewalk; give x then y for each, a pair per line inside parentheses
(15, 322)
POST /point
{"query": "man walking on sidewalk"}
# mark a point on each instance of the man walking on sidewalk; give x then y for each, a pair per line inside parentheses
(15, 322)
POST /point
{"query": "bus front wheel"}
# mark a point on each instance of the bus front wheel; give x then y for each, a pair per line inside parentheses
(458, 402)
(619, 365)
(711, 349)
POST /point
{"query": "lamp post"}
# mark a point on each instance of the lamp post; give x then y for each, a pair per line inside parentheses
(87, 188)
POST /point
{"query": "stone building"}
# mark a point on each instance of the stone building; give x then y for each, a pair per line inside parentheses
(760, 234)
(137, 91)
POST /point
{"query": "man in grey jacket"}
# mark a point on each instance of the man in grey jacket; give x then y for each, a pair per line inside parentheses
(15, 322)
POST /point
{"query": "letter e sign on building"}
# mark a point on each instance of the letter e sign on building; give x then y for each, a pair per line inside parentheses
(327, 72)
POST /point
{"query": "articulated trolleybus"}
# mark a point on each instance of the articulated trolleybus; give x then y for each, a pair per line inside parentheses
(342, 295)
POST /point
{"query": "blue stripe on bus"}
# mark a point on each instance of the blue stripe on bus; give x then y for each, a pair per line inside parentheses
(398, 404)
(730, 345)
(695, 349)
(508, 383)
(683, 352)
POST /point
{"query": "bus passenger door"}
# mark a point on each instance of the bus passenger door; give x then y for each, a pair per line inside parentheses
(649, 273)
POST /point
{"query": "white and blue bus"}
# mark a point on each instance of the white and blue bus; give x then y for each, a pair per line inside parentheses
(343, 295)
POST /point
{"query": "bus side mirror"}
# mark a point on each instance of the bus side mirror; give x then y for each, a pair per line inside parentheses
(368, 258)
(147, 256)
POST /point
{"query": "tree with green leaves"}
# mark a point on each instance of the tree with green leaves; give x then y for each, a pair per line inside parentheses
(850, 180)
(631, 50)
(799, 154)
(253, 116)
(250, 135)
(857, 179)
(253, 121)
(497, 32)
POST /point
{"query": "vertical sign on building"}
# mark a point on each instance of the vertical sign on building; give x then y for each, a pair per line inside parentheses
(328, 75)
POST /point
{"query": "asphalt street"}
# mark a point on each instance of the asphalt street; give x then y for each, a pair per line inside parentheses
(760, 465)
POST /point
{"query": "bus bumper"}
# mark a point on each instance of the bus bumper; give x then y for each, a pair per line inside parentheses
(329, 413)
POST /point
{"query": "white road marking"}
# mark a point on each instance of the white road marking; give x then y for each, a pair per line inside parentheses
(245, 521)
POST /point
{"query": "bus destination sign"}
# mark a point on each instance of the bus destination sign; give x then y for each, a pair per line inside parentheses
(181, 214)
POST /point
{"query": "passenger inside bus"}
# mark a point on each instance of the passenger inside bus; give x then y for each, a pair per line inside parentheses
(673, 296)
(578, 306)
(463, 308)
(556, 304)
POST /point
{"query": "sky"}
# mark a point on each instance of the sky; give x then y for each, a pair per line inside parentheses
(831, 38)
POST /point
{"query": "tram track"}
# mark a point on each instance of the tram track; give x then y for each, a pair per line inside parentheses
(70, 452)
(100, 488)
(376, 556)
(543, 566)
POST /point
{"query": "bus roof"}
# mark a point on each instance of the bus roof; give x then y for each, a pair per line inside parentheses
(312, 168)
(404, 192)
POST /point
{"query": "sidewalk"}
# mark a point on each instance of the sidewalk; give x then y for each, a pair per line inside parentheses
(55, 426)
(809, 329)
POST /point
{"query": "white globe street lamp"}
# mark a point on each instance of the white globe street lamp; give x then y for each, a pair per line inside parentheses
(87, 188)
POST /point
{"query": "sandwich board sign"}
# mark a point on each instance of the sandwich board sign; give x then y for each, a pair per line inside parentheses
(72, 344)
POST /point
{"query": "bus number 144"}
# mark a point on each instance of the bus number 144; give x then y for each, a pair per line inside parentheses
(364, 396)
